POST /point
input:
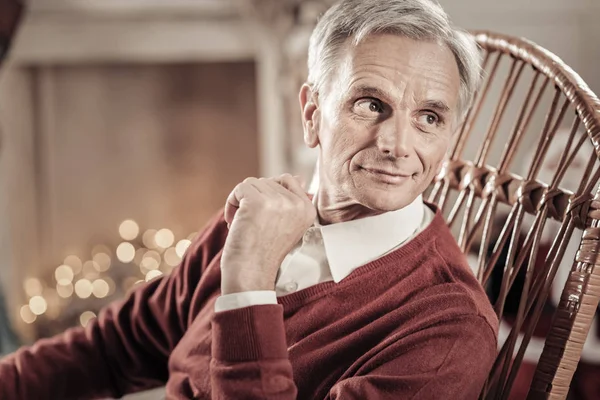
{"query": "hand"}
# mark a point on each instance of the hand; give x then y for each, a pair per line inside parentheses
(266, 218)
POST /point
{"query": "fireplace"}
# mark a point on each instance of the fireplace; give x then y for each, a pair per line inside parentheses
(140, 111)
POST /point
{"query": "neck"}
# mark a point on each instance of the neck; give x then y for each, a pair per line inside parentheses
(333, 207)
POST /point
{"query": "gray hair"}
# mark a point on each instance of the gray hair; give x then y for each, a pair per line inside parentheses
(414, 19)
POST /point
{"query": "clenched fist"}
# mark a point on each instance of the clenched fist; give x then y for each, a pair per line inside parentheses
(266, 218)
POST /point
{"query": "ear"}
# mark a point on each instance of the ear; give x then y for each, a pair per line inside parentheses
(310, 115)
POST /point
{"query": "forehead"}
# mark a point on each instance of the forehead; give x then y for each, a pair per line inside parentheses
(400, 66)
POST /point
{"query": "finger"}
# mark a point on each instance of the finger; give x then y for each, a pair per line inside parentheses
(293, 185)
(277, 187)
(229, 213)
(256, 183)
(266, 186)
(243, 191)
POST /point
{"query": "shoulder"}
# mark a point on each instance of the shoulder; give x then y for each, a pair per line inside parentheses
(453, 278)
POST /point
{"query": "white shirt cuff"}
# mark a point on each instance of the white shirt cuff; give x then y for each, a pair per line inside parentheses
(234, 301)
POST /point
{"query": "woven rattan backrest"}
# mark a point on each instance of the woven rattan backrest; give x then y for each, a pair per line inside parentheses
(499, 206)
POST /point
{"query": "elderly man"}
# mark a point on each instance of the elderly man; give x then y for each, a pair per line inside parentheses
(359, 293)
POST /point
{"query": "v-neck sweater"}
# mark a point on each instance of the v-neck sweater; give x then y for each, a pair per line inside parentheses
(413, 324)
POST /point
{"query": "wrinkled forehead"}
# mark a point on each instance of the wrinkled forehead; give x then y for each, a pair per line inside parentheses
(397, 63)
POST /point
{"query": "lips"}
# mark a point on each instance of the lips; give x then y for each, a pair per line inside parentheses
(385, 176)
(382, 171)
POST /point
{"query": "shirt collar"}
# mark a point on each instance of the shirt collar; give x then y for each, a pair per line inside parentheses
(351, 244)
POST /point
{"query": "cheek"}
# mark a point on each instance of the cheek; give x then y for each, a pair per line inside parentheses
(432, 154)
(339, 144)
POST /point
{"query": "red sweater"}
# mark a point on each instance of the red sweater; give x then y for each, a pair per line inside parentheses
(412, 324)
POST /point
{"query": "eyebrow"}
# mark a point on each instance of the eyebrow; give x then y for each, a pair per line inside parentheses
(437, 105)
(365, 90)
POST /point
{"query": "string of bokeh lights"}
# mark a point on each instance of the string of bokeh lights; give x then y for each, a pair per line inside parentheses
(157, 253)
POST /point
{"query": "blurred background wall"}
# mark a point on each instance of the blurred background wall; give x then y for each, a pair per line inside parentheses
(149, 112)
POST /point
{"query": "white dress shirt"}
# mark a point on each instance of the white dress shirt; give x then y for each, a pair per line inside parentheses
(332, 252)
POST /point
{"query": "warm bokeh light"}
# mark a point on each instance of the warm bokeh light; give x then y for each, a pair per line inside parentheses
(26, 315)
(125, 252)
(64, 274)
(102, 261)
(129, 229)
(153, 274)
(101, 276)
(148, 238)
(164, 238)
(83, 288)
(139, 255)
(100, 248)
(74, 262)
(33, 287)
(148, 264)
(150, 261)
(90, 270)
(38, 305)
(53, 301)
(100, 288)
(65, 291)
(182, 247)
(111, 285)
(153, 255)
(171, 257)
(86, 317)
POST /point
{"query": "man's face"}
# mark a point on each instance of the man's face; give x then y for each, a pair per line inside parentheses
(384, 121)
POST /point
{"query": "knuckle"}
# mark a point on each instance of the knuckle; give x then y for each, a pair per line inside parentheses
(297, 204)
(271, 203)
(286, 177)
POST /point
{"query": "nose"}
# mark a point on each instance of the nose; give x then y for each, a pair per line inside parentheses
(394, 137)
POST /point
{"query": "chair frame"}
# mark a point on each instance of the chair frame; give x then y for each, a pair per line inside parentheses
(475, 179)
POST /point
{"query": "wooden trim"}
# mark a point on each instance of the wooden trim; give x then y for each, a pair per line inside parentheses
(150, 39)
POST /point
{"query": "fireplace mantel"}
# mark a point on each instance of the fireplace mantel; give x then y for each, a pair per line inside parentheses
(108, 31)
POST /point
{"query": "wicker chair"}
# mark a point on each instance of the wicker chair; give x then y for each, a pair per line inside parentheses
(531, 83)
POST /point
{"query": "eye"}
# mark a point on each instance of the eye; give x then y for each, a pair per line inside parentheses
(429, 119)
(368, 106)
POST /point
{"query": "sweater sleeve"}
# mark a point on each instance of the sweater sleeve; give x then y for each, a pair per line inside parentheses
(450, 360)
(250, 359)
(124, 350)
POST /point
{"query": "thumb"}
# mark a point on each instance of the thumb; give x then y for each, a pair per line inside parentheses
(231, 207)
(230, 211)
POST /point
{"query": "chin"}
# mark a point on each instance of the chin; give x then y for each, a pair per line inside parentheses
(384, 199)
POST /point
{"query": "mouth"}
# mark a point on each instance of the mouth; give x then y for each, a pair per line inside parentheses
(385, 175)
